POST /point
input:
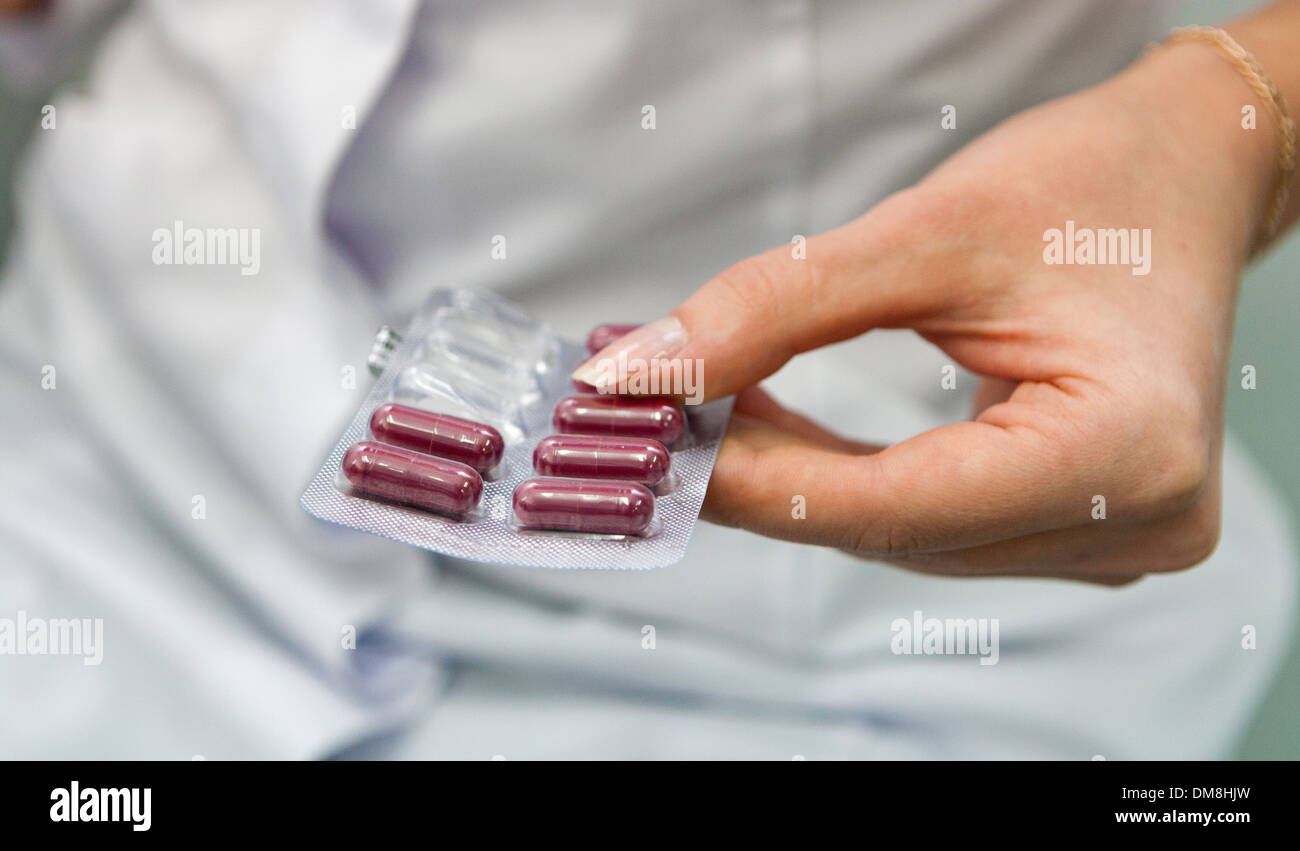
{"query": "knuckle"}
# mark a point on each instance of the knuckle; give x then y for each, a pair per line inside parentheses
(1182, 469)
(885, 533)
(942, 230)
(749, 299)
(1195, 540)
(752, 285)
(885, 540)
(923, 209)
(1168, 449)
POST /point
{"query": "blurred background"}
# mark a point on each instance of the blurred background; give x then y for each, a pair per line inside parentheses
(1265, 418)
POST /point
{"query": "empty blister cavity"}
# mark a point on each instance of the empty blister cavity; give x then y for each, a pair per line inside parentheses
(443, 388)
(504, 377)
(471, 443)
(496, 352)
(585, 507)
(394, 474)
(511, 320)
(492, 341)
(582, 456)
(623, 416)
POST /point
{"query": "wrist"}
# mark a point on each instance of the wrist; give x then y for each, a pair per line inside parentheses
(1207, 124)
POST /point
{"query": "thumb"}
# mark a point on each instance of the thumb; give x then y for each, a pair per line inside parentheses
(743, 325)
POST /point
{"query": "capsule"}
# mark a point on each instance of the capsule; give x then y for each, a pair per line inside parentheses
(400, 475)
(579, 456)
(480, 446)
(602, 335)
(622, 416)
(584, 505)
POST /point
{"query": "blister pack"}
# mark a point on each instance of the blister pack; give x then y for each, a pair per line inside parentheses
(474, 442)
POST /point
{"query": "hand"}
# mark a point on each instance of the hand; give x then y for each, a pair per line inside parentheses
(1096, 381)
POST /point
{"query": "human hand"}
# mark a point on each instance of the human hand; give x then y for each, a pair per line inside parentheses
(1098, 380)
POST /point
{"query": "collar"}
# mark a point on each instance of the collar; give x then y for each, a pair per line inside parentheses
(288, 70)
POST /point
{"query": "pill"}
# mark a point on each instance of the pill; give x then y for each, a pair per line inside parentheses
(656, 419)
(480, 446)
(401, 475)
(580, 456)
(602, 335)
(584, 505)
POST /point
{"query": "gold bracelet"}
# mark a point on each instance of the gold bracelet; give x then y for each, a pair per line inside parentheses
(1249, 68)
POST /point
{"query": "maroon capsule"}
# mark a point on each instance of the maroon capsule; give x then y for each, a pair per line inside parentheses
(622, 416)
(480, 446)
(580, 456)
(584, 505)
(602, 335)
(401, 475)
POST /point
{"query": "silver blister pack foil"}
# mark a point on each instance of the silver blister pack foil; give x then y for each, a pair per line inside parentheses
(478, 357)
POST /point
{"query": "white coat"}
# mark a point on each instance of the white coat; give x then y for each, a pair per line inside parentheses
(156, 484)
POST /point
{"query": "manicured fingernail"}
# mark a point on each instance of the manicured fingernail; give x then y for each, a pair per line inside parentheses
(658, 340)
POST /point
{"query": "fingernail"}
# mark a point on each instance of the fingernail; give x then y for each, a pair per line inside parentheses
(660, 339)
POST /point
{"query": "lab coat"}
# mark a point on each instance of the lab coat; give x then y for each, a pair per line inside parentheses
(155, 485)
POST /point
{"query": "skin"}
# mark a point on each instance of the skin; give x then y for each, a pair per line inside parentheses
(1094, 381)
